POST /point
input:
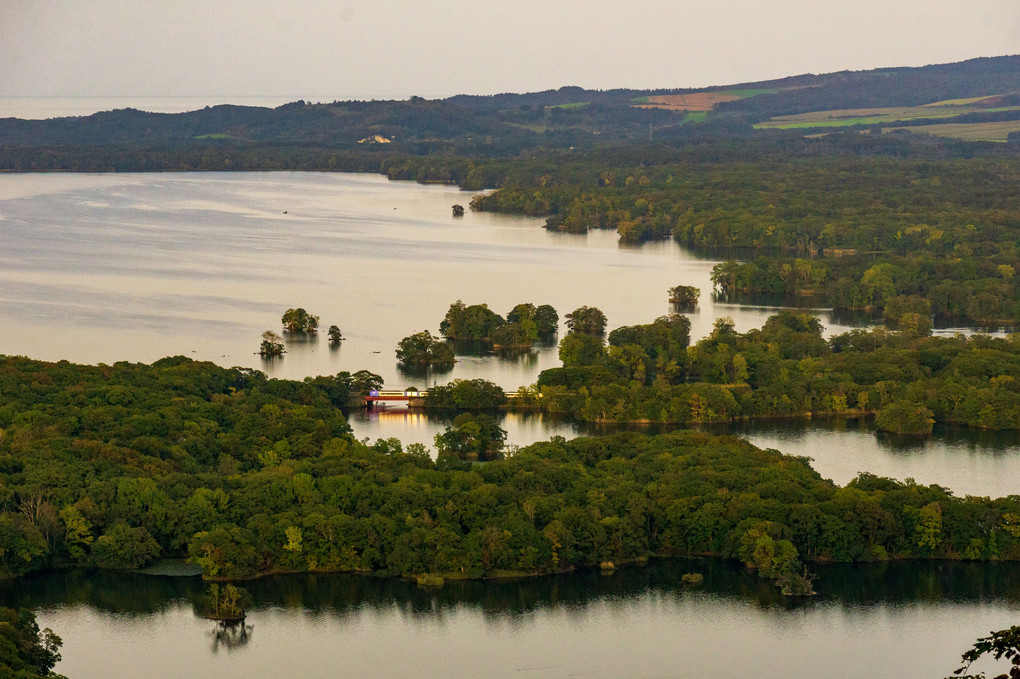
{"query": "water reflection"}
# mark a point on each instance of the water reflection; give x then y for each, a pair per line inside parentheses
(343, 595)
(230, 636)
(908, 619)
(300, 339)
(429, 374)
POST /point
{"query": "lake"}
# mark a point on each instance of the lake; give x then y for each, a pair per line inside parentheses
(103, 268)
(111, 267)
(895, 621)
(140, 266)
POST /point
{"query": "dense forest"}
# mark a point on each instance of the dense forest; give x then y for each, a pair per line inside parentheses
(650, 373)
(113, 466)
(907, 378)
(846, 219)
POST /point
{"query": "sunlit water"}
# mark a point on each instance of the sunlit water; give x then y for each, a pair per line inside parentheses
(104, 268)
(136, 267)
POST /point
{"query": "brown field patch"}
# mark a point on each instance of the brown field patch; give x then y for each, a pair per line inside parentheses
(699, 101)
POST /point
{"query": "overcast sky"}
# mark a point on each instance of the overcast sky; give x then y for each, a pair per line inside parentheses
(433, 48)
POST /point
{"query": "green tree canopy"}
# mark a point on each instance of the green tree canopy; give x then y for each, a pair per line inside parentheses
(585, 319)
(422, 348)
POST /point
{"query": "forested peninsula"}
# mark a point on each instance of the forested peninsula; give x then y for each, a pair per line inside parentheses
(114, 466)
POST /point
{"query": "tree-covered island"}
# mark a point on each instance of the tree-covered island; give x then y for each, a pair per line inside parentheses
(524, 325)
(423, 349)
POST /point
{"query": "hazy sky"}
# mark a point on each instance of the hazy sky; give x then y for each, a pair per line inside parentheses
(433, 48)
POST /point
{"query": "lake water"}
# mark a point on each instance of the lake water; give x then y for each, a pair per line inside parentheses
(136, 267)
(894, 621)
(103, 268)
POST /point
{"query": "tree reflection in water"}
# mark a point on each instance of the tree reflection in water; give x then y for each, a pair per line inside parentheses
(230, 635)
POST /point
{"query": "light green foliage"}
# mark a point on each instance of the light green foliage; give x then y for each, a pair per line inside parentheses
(294, 539)
(581, 349)
(77, 531)
(915, 325)
(227, 602)
(929, 526)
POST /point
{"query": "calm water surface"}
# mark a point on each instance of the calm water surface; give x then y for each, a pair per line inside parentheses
(896, 620)
(136, 267)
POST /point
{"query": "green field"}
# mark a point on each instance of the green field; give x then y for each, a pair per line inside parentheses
(874, 116)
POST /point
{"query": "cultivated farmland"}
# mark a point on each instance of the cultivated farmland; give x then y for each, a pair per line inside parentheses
(996, 131)
(697, 101)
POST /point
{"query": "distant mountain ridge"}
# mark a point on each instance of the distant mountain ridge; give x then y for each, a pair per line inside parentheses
(558, 117)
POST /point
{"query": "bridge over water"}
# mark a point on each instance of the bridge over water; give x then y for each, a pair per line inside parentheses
(411, 396)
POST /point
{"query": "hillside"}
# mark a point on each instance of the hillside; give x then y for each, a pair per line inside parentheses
(566, 117)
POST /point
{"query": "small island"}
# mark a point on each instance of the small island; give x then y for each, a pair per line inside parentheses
(423, 349)
(299, 322)
(334, 335)
(272, 345)
(473, 436)
(684, 297)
